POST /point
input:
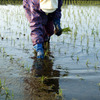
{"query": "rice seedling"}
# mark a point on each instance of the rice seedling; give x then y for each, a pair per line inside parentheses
(63, 40)
(69, 13)
(22, 64)
(94, 37)
(97, 54)
(87, 63)
(4, 91)
(79, 77)
(12, 95)
(98, 84)
(20, 44)
(74, 43)
(92, 31)
(87, 50)
(66, 30)
(11, 58)
(27, 68)
(0, 49)
(95, 66)
(77, 58)
(72, 55)
(16, 33)
(3, 50)
(23, 45)
(59, 50)
(54, 46)
(43, 78)
(60, 92)
(28, 37)
(6, 54)
(14, 42)
(81, 39)
(59, 96)
(65, 52)
(87, 41)
(75, 34)
(94, 43)
(7, 38)
(46, 53)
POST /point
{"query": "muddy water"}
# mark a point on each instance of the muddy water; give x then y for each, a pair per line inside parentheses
(70, 71)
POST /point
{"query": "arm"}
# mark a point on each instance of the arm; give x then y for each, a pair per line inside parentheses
(57, 13)
(56, 19)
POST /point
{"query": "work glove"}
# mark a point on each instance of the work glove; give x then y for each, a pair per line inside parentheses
(58, 30)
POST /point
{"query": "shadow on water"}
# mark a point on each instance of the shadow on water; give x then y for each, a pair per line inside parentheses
(41, 83)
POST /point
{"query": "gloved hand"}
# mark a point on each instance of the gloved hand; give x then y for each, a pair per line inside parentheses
(58, 30)
(39, 50)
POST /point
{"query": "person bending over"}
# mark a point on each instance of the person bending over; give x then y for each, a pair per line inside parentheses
(44, 16)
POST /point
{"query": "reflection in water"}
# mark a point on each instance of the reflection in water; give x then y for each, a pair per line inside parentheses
(40, 83)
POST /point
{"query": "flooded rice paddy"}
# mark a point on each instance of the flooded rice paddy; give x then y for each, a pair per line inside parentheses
(71, 68)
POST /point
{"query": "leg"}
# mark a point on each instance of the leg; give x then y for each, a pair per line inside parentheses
(26, 6)
(34, 17)
(49, 28)
(37, 28)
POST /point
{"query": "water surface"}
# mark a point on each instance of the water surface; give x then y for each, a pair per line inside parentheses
(73, 62)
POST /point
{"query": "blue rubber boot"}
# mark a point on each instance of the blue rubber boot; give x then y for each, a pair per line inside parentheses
(39, 50)
(58, 30)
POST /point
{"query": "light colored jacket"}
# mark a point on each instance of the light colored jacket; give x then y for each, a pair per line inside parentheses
(48, 6)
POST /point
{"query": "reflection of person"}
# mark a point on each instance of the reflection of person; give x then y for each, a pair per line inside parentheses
(42, 14)
(43, 89)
